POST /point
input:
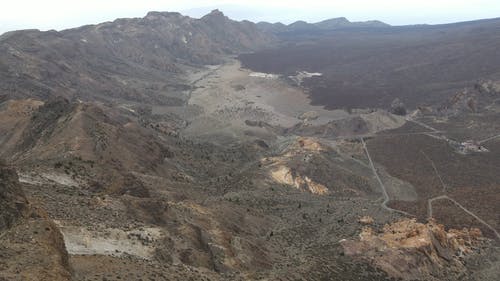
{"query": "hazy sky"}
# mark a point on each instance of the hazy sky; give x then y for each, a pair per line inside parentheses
(61, 14)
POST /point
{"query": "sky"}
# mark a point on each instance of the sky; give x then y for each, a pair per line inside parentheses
(62, 14)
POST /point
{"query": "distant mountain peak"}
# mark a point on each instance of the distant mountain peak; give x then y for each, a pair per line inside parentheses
(299, 22)
(215, 14)
(329, 24)
(344, 22)
(339, 19)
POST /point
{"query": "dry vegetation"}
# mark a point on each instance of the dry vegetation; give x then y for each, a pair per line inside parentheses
(140, 162)
(370, 68)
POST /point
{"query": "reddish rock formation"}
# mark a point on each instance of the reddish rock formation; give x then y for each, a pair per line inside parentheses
(410, 250)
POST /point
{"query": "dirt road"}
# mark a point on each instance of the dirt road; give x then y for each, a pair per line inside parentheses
(445, 197)
(382, 186)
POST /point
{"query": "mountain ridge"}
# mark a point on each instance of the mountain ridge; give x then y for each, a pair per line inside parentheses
(117, 60)
(145, 150)
(328, 24)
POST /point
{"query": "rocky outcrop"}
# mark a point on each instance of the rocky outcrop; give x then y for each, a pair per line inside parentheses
(488, 87)
(310, 166)
(285, 175)
(462, 102)
(474, 99)
(409, 250)
(13, 204)
(31, 246)
(398, 107)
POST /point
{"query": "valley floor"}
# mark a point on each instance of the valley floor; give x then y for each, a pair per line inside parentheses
(254, 184)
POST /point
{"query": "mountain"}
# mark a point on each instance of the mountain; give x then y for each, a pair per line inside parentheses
(345, 23)
(143, 149)
(140, 59)
(421, 65)
(330, 24)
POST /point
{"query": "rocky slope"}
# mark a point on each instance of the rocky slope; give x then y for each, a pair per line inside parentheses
(141, 59)
(13, 204)
(475, 99)
(137, 162)
(408, 250)
(31, 245)
(96, 143)
(195, 209)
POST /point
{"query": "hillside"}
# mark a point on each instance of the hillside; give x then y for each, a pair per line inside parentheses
(420, 65)
(143, 149)
(31, 244)
(140, 60)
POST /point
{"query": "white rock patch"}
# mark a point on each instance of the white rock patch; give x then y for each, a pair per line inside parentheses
(264, 75)
(111, 242)
(47, 178)
(301, 75)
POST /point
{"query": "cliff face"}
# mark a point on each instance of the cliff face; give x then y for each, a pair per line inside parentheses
(13, 204)
(31, 246)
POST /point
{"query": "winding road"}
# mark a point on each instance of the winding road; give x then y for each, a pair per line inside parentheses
(430, 201)
(488, 139)
(445, 197)
(382, 186)
(423, 125)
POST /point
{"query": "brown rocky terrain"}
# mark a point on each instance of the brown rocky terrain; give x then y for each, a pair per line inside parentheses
(183, 215)
(78, 160)
(32, 247)
(137, 161)
(408, 250)
(142, 60)
(14, 204)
